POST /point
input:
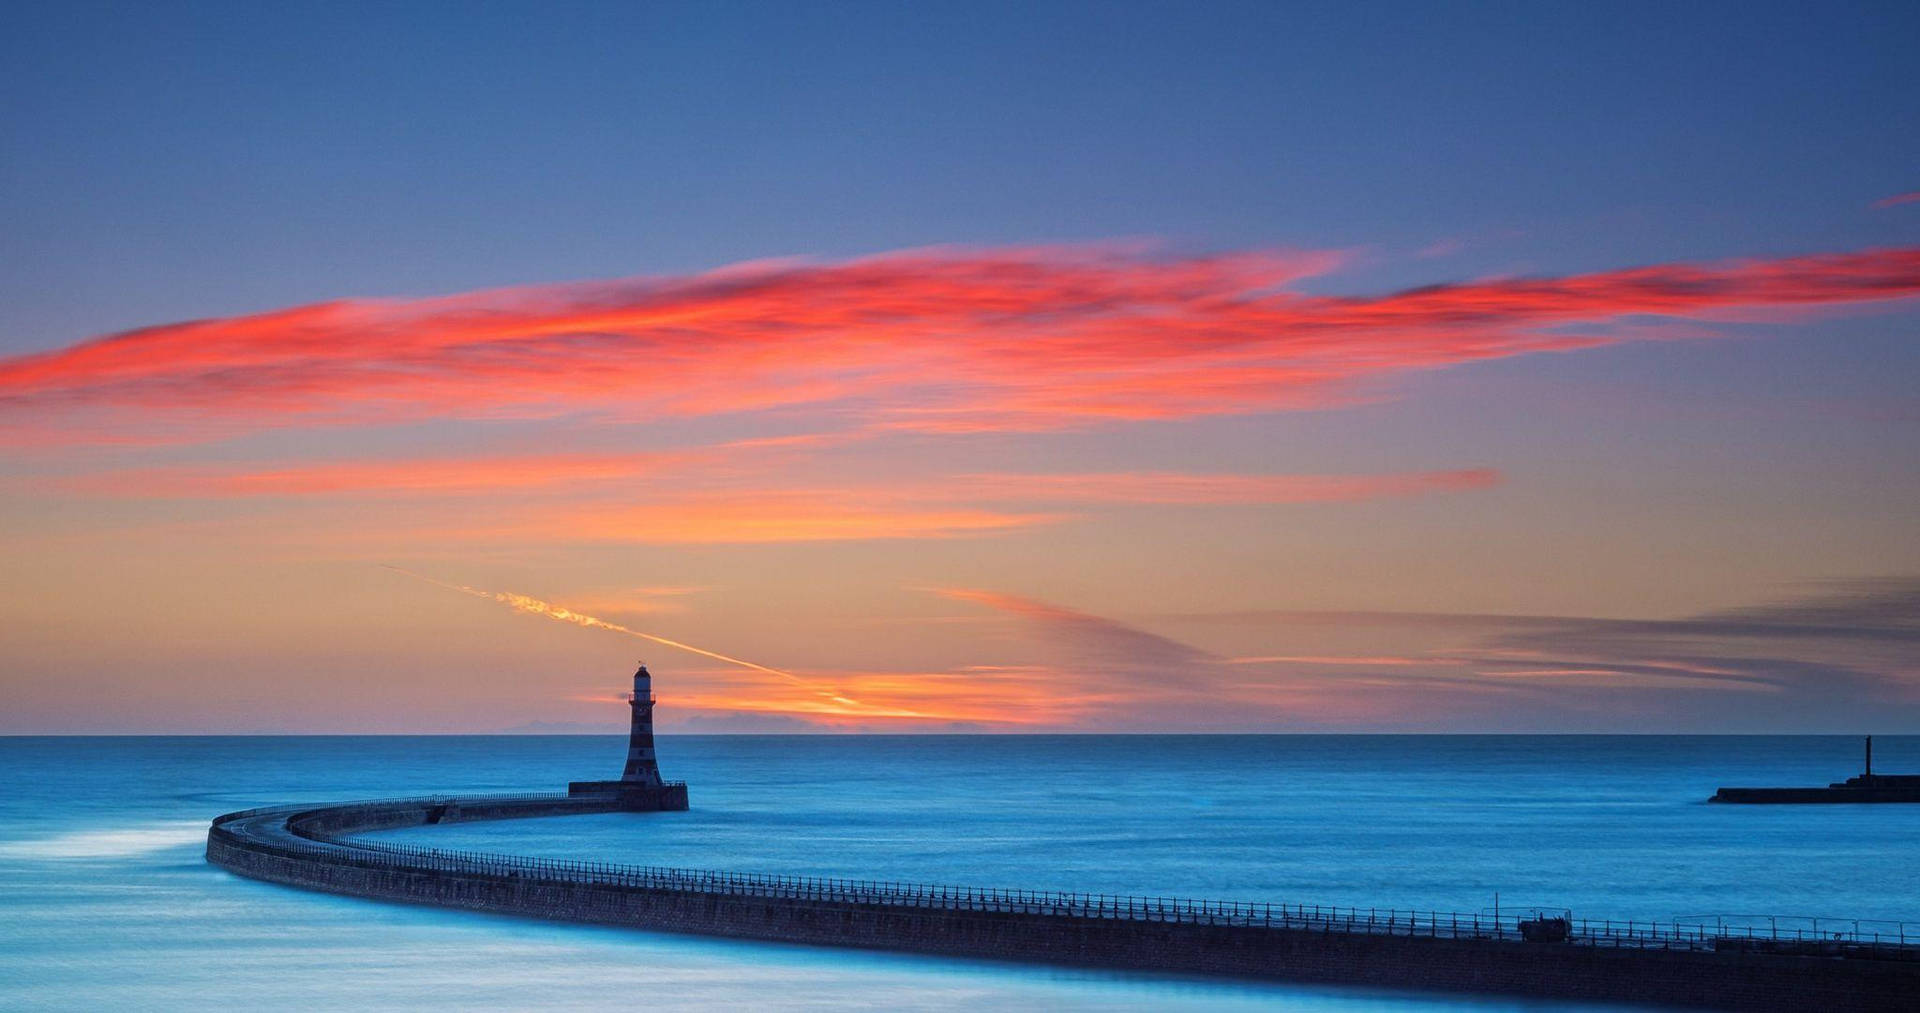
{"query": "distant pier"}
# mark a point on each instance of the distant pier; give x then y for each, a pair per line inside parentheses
(1864, 787)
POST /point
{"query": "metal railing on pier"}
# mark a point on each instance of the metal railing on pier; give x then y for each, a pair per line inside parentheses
(1880, 939)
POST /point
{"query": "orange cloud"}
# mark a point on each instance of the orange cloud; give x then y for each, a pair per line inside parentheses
(829, 515)
(679, 506)
(450, 476)
(934, 509)
(737, 492)
(463, 475)
(431, 475)
(953, 340)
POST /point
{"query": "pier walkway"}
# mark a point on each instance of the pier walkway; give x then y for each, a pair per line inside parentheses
(1837, 965)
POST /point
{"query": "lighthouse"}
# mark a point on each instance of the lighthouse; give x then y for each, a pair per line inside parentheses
(642, 767)
(640, 788)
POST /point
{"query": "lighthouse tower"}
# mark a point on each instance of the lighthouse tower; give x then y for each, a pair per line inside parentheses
(640, 788)
(641, 767)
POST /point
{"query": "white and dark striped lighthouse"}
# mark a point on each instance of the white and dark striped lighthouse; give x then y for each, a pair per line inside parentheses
(640, 788)
(642, 767)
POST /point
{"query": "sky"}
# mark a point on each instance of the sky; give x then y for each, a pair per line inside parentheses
(960, 367)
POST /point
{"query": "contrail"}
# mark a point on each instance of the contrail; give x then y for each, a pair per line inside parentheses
(534, 606)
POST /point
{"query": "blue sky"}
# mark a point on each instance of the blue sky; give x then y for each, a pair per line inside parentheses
(171, 161)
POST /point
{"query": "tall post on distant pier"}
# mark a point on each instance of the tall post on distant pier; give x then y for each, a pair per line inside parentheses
(1869, 756)
(642, 767)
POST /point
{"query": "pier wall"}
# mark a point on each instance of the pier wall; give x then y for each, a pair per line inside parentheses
(305, 848)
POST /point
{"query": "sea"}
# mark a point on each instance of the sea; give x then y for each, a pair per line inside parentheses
(106, 901)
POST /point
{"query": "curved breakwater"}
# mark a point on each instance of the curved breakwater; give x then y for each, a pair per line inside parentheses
(314, 847)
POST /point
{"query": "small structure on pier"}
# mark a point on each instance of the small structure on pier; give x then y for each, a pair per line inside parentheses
(1866, 786)
(640, 788)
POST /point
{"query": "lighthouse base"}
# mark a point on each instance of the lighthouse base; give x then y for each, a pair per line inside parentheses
(635, 797)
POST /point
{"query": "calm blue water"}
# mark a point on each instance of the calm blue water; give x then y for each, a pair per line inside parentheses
(105, 901)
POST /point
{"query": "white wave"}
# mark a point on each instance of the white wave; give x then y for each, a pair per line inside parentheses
(121, 842)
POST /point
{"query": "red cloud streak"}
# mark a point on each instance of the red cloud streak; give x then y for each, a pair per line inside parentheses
(682, 471)
(947, 340)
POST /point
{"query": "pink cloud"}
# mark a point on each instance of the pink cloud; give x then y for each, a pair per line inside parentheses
(944, 340)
